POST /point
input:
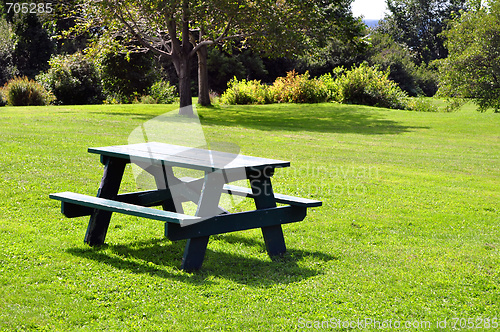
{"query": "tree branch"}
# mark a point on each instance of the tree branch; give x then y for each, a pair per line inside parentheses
(138, 36)
(172, 32)
(164, 42)
(211, 42)
(226, 29)
(216, 41)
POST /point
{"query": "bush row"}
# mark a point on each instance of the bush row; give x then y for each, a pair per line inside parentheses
(75, 79)
(362, 85)
(293, 88)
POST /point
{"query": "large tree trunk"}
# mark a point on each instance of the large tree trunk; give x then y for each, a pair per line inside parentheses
(203, 93)
(182, 64)
(181, 58)
(185, 94)
(185, 65)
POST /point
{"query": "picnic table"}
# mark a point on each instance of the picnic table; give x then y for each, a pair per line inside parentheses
(219, 169)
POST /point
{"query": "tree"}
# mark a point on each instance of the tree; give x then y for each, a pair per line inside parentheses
(33, 46)
(472, 69)
(63, 19)
(183, 29)
(223, 67)
(126, 77)
(7, 46)
(419, 23)
(340, 40)
(399, 60)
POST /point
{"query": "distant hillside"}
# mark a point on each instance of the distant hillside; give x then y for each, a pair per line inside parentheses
(371, 23)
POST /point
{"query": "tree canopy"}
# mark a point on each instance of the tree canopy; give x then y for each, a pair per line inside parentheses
(472, 69)
(419, 23)
(182, 29)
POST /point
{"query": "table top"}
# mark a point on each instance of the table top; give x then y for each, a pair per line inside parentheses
(187, 157)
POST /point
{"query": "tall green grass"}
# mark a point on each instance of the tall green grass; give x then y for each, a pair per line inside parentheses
(409, 229)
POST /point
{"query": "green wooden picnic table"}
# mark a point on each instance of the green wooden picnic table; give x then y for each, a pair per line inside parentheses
(220, 169)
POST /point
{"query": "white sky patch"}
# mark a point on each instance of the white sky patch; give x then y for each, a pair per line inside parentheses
(369, 9)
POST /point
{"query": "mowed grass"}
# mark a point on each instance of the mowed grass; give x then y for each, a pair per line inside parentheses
(409, 229)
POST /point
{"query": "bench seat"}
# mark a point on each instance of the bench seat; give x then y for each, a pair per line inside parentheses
(71, 203)
(247, 192)
(280, 198)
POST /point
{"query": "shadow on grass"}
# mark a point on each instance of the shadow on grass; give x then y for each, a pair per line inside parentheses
(329, 118)
(325, 117)
(136, 116)
(152, 257)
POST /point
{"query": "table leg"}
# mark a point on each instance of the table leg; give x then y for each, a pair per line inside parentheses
(110, 184)
(165, 178)
(194, 253)
(260, 182)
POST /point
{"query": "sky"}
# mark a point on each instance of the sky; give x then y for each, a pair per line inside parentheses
(370, 9)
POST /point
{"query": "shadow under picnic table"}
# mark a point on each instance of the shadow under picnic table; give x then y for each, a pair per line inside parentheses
(151, 257)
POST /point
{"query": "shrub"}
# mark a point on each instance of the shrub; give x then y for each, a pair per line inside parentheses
(23, 92)
(162, 92)
(73, 79)
(112, 99)
(146, 99)
(366, 86)
(420, 104)
(295, 88)
(426, 77)
(214, 97)
(246, 92)
(3, 100)
(330, 84)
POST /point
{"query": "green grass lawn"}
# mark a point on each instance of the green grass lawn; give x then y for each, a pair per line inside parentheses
(409, 229)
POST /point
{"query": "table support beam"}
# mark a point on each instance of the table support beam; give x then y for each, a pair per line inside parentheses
(110, 184)
(233, 222)
(194, 253)
(164, 178)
